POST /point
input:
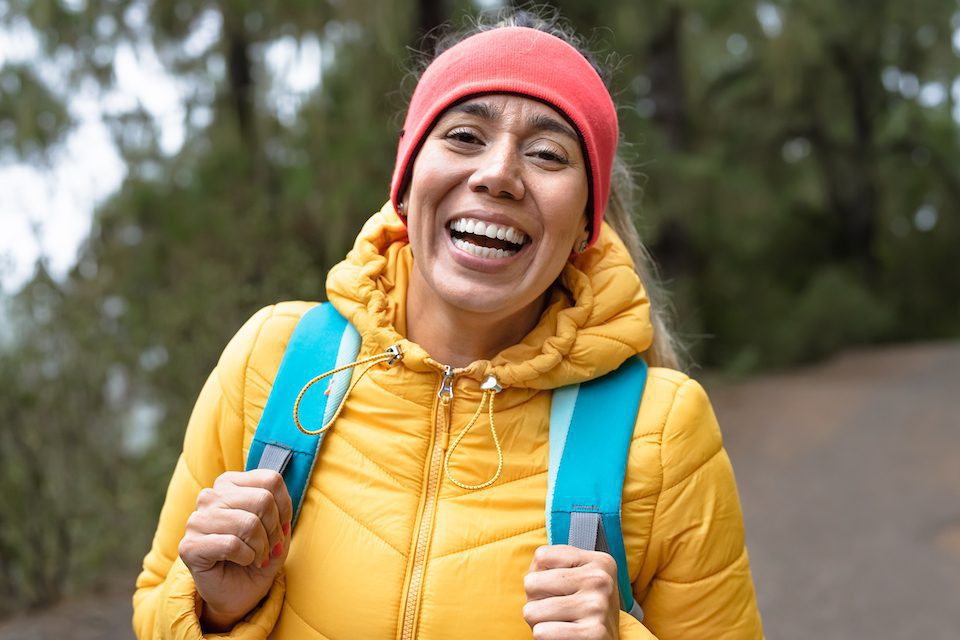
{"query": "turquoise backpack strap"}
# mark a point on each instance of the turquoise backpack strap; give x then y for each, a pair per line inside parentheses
(591, 427)
(322, 340)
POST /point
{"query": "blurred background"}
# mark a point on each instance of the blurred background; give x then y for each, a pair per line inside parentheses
(169, 167)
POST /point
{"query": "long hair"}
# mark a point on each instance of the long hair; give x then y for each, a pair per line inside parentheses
(665, 349)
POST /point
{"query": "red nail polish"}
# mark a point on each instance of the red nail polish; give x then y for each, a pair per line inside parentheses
(277, 549)
(286, 528)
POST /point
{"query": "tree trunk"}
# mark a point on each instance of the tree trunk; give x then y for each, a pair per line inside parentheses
(667, 82)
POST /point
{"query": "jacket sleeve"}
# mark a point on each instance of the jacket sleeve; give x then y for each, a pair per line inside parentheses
(702, 587)
(165, 602)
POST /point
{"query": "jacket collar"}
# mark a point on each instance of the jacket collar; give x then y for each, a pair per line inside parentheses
(597, 315)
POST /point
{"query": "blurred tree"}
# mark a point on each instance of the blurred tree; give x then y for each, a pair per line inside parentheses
(786, 145)
(257, 204)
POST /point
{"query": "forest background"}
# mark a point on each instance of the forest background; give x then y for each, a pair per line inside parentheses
(798, 162)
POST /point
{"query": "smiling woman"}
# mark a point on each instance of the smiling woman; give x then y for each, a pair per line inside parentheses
(500, 165)
(504, 284)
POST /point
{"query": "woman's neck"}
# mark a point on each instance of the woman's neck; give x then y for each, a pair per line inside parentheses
(457, 337)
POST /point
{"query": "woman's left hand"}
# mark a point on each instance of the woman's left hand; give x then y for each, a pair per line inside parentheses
(572, 593)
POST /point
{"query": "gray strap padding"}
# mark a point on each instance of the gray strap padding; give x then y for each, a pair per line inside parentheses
(275, 457)
(586, 531)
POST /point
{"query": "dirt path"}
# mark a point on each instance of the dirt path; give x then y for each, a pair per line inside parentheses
(849, 473)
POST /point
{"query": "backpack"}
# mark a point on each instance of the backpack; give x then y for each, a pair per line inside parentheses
(587, 465)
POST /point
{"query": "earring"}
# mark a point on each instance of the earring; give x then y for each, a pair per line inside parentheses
(583, 246)
(400, 209)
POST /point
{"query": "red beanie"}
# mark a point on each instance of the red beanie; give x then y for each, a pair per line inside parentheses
(522, 61)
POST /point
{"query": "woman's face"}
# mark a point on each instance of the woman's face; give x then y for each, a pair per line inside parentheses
(495, 206)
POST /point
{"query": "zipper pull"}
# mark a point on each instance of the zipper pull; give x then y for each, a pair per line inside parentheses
(446, 385)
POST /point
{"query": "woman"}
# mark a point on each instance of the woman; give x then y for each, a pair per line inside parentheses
(491, 260)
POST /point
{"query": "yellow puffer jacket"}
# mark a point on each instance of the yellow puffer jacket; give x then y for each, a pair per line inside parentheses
(387, 547)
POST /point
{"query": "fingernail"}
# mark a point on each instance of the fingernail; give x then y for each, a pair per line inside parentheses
(277, 549)
(286, 528)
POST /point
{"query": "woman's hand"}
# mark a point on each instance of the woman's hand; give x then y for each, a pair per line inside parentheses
(572, 593)
(235, 543)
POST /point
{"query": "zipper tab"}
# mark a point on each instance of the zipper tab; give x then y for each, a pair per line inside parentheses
(446, 385)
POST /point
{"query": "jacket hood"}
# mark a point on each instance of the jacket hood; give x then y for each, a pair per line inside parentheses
(596, 317)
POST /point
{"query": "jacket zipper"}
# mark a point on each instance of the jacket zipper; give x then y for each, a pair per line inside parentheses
(441, 437)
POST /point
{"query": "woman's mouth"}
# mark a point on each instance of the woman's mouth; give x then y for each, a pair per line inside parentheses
(486, 239)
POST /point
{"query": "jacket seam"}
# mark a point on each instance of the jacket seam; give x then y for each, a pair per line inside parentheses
(359, 523)
(613, 339)
(363, 455)
(637, 436)
(226, 396)
(713, 574)
(489, 542)
(640, 496)
(496, 485)
(695, 470)
(289, 607)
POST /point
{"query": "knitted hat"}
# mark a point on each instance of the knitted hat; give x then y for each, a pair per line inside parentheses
(522, 61)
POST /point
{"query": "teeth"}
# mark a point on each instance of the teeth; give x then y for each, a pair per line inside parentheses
(482, 252)
(489, 229)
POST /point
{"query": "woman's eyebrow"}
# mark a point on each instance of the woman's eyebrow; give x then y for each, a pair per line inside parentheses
(544, 122)
(539, 122)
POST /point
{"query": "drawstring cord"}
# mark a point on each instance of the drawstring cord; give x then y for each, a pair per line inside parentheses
(491, 387)
(390, 356)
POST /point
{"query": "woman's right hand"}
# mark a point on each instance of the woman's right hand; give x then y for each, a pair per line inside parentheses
(235, 543)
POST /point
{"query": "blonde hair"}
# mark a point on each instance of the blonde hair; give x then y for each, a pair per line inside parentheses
(665, 351)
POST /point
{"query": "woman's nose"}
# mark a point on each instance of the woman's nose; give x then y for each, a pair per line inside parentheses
(499, 172)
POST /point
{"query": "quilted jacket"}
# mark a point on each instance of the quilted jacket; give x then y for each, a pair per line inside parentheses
(387, 547)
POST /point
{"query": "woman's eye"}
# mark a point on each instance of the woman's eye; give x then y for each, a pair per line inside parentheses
(462, 135)
(550, 156)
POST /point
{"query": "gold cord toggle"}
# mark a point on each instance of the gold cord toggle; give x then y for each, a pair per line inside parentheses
(390, 356)
(491, 387)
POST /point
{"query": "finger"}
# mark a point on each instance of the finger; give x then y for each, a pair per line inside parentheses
(550, 582)
(557, 608)
(258, 501)
(556, 556)
(272, 482)
(243, 524)
(202, 552)
(557, 631)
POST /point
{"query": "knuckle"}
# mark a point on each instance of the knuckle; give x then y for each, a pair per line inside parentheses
(273, 480)
(542, 554)
(541, 632)
(235, 546)
(205, 497)
(185, 548)
(528, 611)
(226, 477)
(607, 563)
(263, 500)
(530, 581)
(249, 525)
(596, 604)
